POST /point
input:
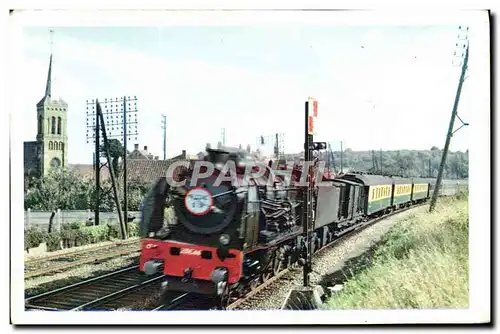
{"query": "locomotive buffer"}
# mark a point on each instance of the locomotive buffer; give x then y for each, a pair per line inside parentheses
(307, 297)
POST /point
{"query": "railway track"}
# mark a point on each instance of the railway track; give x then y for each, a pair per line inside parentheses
(128, 286)
(349, 233)
(188, 301)
(103, 292)
(60, 262)
(192, 301)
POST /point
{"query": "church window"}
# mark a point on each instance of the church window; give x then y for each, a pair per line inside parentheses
(51, 145)
(59, 125)
(40, 124)
(53, 127)
(56, 145)
(61, 146)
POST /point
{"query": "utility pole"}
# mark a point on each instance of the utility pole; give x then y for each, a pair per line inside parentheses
(111, 171)
(381, 171)
(125, 185)
(341, 157)
(164, 128)
(223, 136)
(373, 161)
(116, 121)
(97, 156)
(452, 121)
(328, 160)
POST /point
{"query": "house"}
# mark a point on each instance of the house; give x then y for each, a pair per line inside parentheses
(141, 154)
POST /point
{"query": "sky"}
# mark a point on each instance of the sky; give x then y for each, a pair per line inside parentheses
(378, 87)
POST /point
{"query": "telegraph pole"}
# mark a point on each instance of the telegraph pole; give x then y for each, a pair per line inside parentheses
(164, 128)
(452, 120)
(116, 121)
(125, 186)
(97, 157)
(381, 161)
(373, 161)
(223, 136)
(341, 154)
(111, 171)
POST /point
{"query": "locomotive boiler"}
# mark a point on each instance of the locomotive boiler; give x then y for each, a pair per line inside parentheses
(230, 229)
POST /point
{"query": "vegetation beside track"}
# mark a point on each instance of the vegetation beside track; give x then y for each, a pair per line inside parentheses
(421, 263)
(76, 234)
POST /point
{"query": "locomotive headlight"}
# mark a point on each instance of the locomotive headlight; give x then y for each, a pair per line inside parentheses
(224, 239)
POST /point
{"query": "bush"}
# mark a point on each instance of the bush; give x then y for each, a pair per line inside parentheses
(76, 234)
(133, 229)
(421, 263)
(33, 237)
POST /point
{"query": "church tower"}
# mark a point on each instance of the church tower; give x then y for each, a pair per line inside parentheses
(52, 133)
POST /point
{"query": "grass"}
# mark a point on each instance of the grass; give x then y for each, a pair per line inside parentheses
(421, 263)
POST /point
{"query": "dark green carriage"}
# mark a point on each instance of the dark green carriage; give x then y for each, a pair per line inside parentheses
(377, 193)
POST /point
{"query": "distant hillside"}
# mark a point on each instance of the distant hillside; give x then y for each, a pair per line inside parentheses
(410, 163)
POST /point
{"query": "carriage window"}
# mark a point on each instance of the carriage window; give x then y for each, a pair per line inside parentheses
(253, 200)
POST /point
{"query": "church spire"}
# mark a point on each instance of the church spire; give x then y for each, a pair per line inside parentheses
(48, 87)
(49, 76)
(49, 79)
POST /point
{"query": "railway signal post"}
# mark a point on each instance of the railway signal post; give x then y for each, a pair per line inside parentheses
(307, 297)
(311, 112)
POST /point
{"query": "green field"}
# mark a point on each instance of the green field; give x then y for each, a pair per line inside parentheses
(421, 263)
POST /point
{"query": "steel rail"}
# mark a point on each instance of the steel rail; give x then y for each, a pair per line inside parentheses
(117, 294)
(82, 283)
(87, 260)
(358, 228)
(49, 256)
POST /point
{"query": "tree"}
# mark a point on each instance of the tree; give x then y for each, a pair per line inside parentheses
(115, 153)
(61, 189)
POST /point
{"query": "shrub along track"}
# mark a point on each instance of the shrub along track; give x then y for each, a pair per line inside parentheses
(59, 262)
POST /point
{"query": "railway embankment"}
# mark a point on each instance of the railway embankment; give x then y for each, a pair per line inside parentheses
(422, 262)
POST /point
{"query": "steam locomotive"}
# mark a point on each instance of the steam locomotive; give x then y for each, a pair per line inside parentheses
(230, 232)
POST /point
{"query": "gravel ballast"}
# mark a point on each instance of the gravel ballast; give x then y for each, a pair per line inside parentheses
(37, 285)
(324, 264)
